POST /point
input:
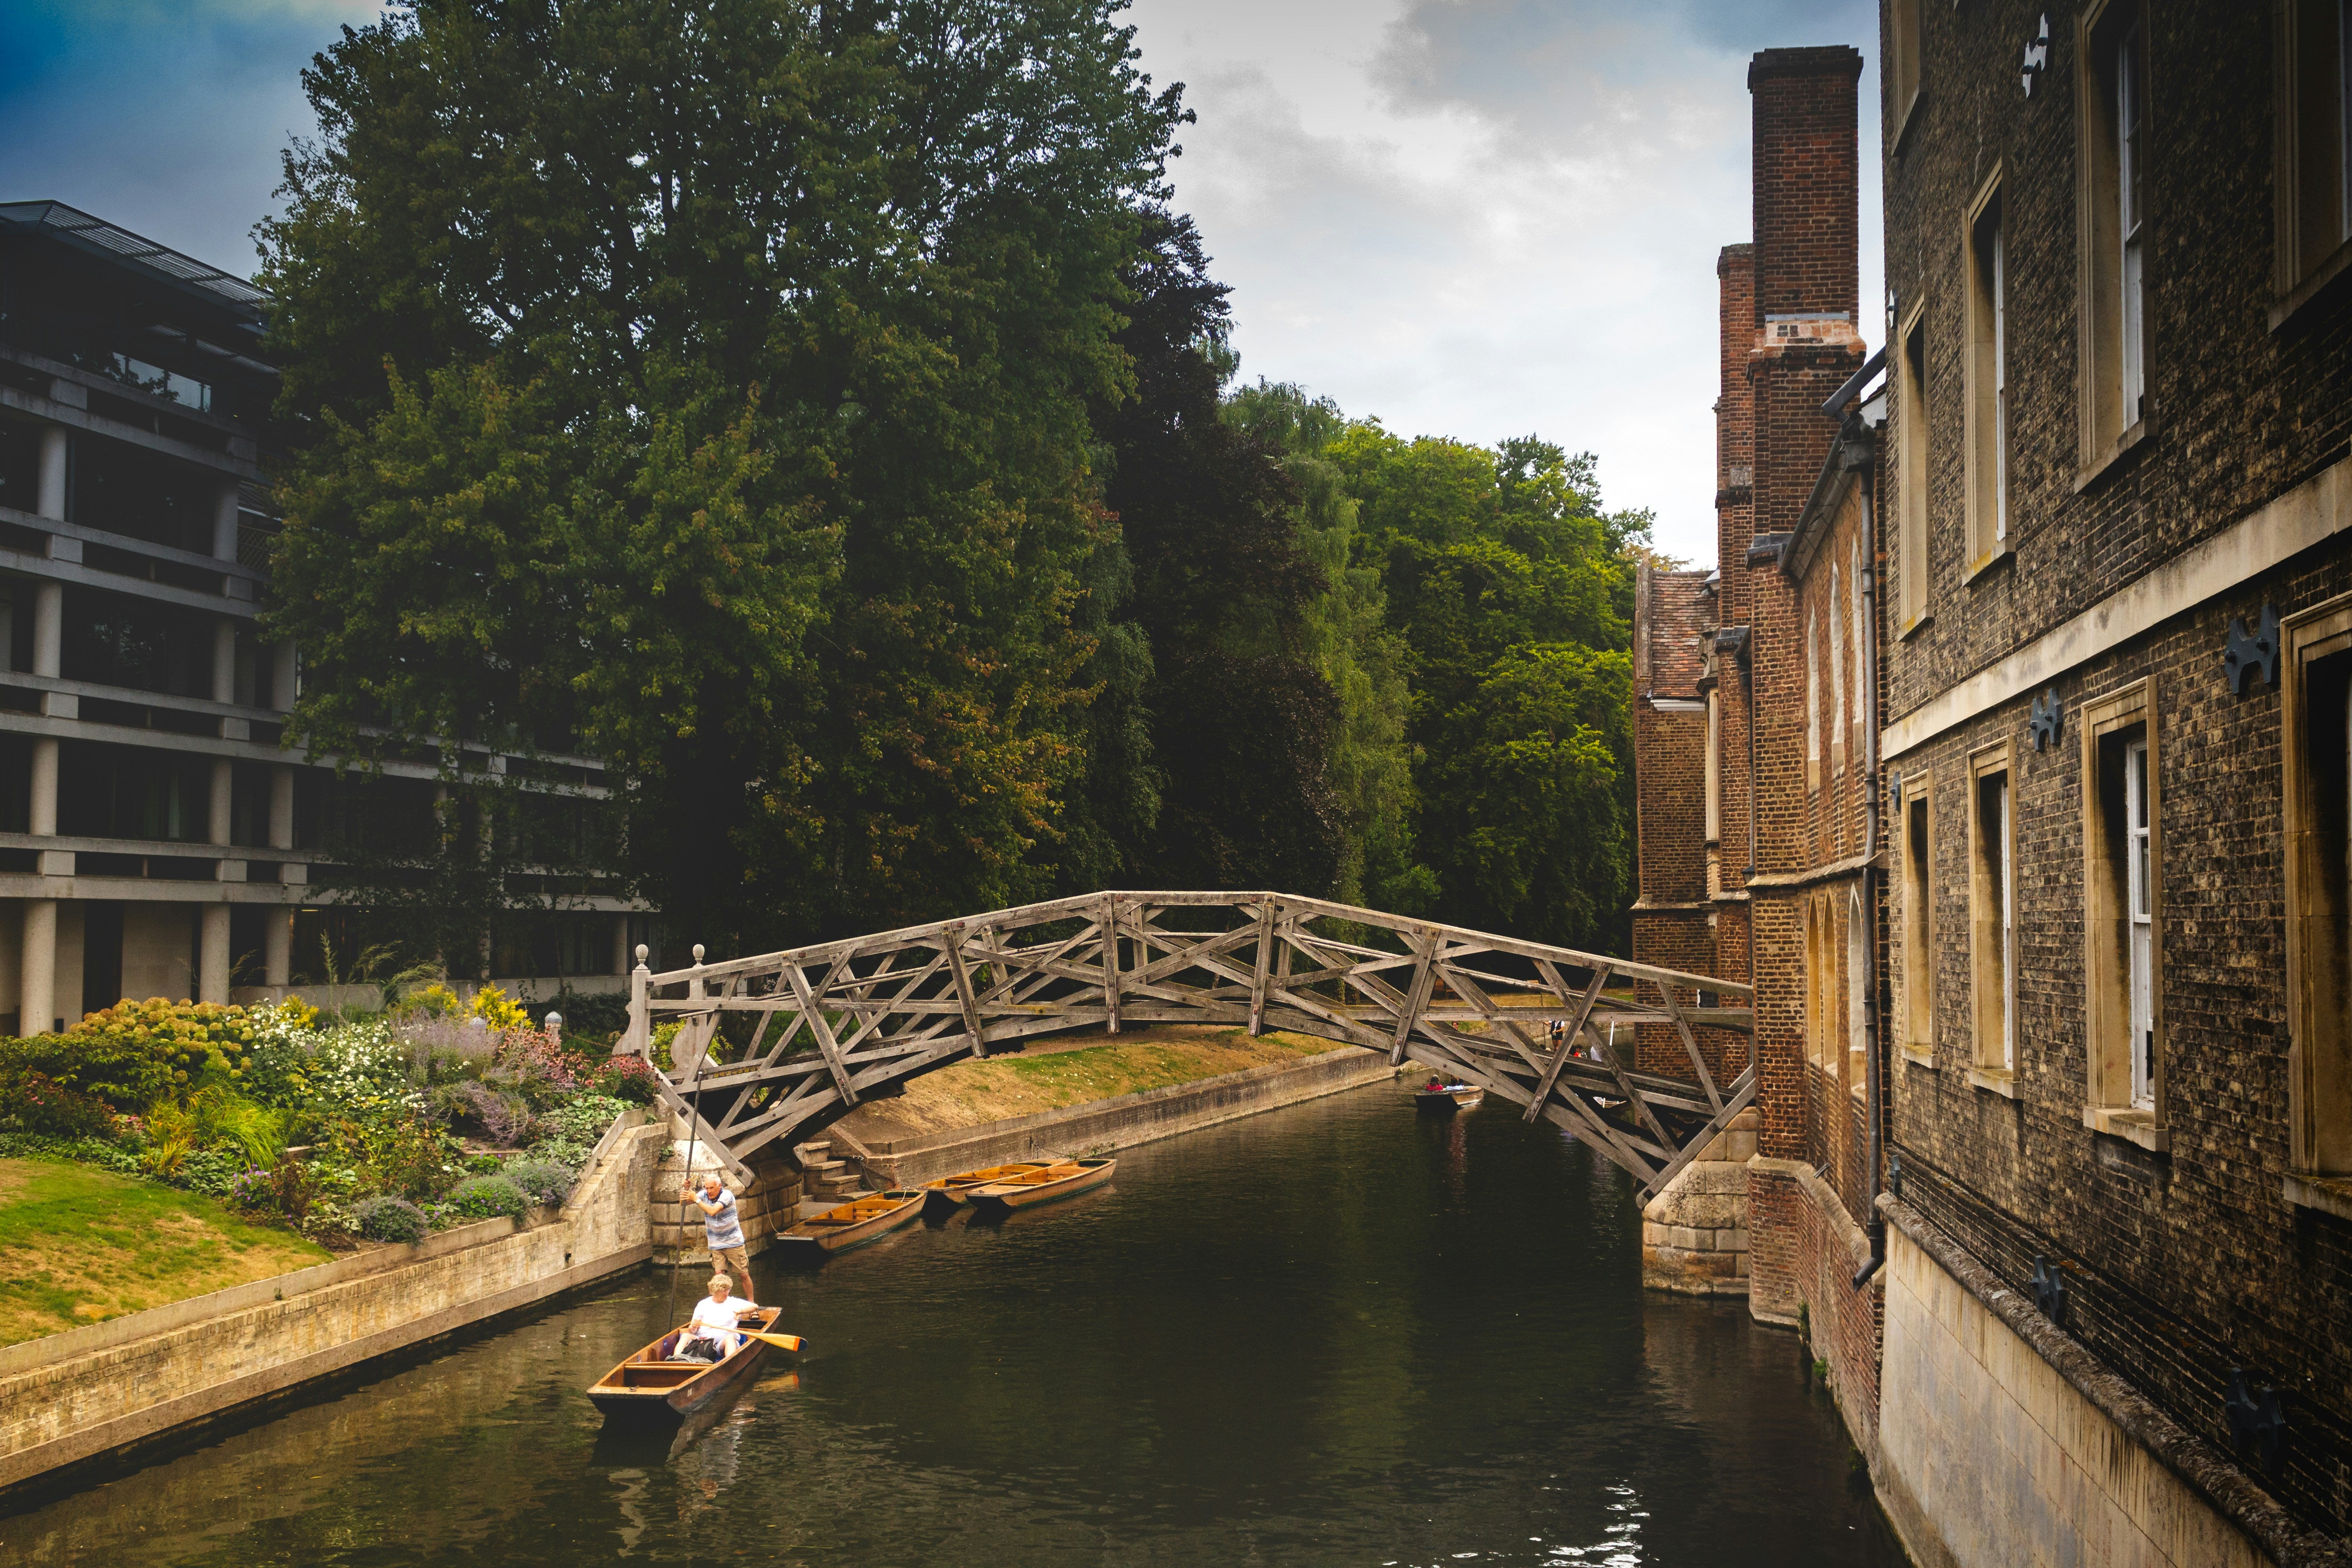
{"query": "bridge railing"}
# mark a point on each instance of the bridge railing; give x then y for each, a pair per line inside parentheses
(774, 1045)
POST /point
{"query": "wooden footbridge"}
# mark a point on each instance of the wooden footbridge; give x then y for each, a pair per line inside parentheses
(774, 1047)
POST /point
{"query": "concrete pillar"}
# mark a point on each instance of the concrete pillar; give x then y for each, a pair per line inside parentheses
(53, 473)
(277, 948)
(37, 986)
(48, 628)
(212, 952)
(43, 814)
(284, 673)
(225, 660)
(620, 945)
(225, 522)
(282, 808)
(219, 820)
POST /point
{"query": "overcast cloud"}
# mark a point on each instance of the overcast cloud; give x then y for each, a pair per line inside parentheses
(1469, 217)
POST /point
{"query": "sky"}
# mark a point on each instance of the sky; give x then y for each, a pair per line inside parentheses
(1477, 218)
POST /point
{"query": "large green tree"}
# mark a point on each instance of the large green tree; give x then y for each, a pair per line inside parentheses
(1513, 590)
(709, 385)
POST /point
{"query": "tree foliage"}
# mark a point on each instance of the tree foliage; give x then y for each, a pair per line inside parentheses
(709, 385)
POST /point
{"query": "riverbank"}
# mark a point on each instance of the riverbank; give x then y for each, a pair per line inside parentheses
(104, 1395)
(898, 1145)
(1066, 1072)
(80, 1245)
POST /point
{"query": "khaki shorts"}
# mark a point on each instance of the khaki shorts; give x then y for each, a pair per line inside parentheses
(732, 1261)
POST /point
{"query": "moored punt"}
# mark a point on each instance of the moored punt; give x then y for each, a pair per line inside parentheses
(952, 1191)
(1042, 1186)
(852, 1224)
(649, 1384)
(1452, 1098)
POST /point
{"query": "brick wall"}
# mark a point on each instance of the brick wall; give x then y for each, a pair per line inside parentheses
(2187, 1260)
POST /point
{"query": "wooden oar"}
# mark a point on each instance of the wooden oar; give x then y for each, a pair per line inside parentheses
(782, 1342)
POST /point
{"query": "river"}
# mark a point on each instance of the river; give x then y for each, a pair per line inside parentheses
(1329, 1334)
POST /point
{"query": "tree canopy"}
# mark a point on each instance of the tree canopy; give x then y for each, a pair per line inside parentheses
(813, 408)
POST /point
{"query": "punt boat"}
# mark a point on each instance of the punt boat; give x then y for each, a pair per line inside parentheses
(649, 1384)
(1062, 1181)
(852, 1224)
(949, 1193)
(1448, 1100)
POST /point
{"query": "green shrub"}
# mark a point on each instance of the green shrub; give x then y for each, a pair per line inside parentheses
(389, 1219)
(583, 1118)
(489, 1198)
(541, 1181)
(45, 1107)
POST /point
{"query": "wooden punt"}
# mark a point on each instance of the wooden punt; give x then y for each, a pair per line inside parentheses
(1043, 1186)
(649, 1385)
(852, 1224)
(1446, 1101)
(950, 1193)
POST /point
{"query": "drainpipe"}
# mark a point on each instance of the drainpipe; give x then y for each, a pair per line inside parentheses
(1870, 1019)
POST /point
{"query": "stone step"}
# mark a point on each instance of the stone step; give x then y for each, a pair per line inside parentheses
(822, 1168)
(813, 1150)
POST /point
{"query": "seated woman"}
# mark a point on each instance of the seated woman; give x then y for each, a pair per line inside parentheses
(714, 1321)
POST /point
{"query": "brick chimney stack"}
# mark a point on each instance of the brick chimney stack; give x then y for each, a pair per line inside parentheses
(1805, 219)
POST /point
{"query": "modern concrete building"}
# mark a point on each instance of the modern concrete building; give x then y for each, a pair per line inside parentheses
(154, 838)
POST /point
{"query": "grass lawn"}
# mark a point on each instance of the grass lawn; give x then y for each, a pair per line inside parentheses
(80, 1245)
(973, 1092)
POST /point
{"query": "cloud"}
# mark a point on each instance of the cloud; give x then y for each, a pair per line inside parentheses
(1487, 217)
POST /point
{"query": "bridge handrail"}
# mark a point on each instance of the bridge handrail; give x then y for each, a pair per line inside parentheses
(1084, 904)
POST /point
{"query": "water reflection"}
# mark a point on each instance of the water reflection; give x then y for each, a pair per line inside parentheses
(1339, 1333)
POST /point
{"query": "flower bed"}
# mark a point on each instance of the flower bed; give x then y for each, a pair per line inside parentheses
(362, 1128)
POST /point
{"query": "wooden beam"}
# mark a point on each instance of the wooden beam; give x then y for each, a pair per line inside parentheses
(1690, 1043)
(1112, 982)
(1567, 1041)
(827, 1046)
(953, 934)
(1416, 998)
(1266, 915)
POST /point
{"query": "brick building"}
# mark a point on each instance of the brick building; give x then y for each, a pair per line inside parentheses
(2080, 933)
(155, 838)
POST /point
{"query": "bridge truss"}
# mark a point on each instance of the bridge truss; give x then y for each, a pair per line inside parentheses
(773, 1048)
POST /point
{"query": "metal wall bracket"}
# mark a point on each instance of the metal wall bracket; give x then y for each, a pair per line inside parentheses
(2257, 1422)
(2049, 1291)
(2045, 719)
(2253, 656)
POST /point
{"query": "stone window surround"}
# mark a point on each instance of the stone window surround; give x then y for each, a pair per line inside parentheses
(1989, 1066)
(1989, 538)
(1911, 523)
(2105, 436)
(1917, 1041)
(2318, 632)
(2107, 1015)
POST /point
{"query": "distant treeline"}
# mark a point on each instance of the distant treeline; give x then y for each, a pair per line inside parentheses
(818, 412)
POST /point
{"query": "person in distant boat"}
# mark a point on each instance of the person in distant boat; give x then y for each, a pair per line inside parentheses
(722, 1229)
(714, 1321)
(1436, 1085)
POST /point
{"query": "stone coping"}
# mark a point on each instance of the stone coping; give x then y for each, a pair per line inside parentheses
(2200, 1466)
(376, 1260)
(900, 1148)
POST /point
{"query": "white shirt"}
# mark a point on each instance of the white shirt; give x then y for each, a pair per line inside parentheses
(719, 1316)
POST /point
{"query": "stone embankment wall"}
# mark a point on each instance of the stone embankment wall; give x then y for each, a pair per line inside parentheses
(771, 1203)
(2000, 1433)
(108, 1390)
(1122, 1121)
(1694, 1232)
